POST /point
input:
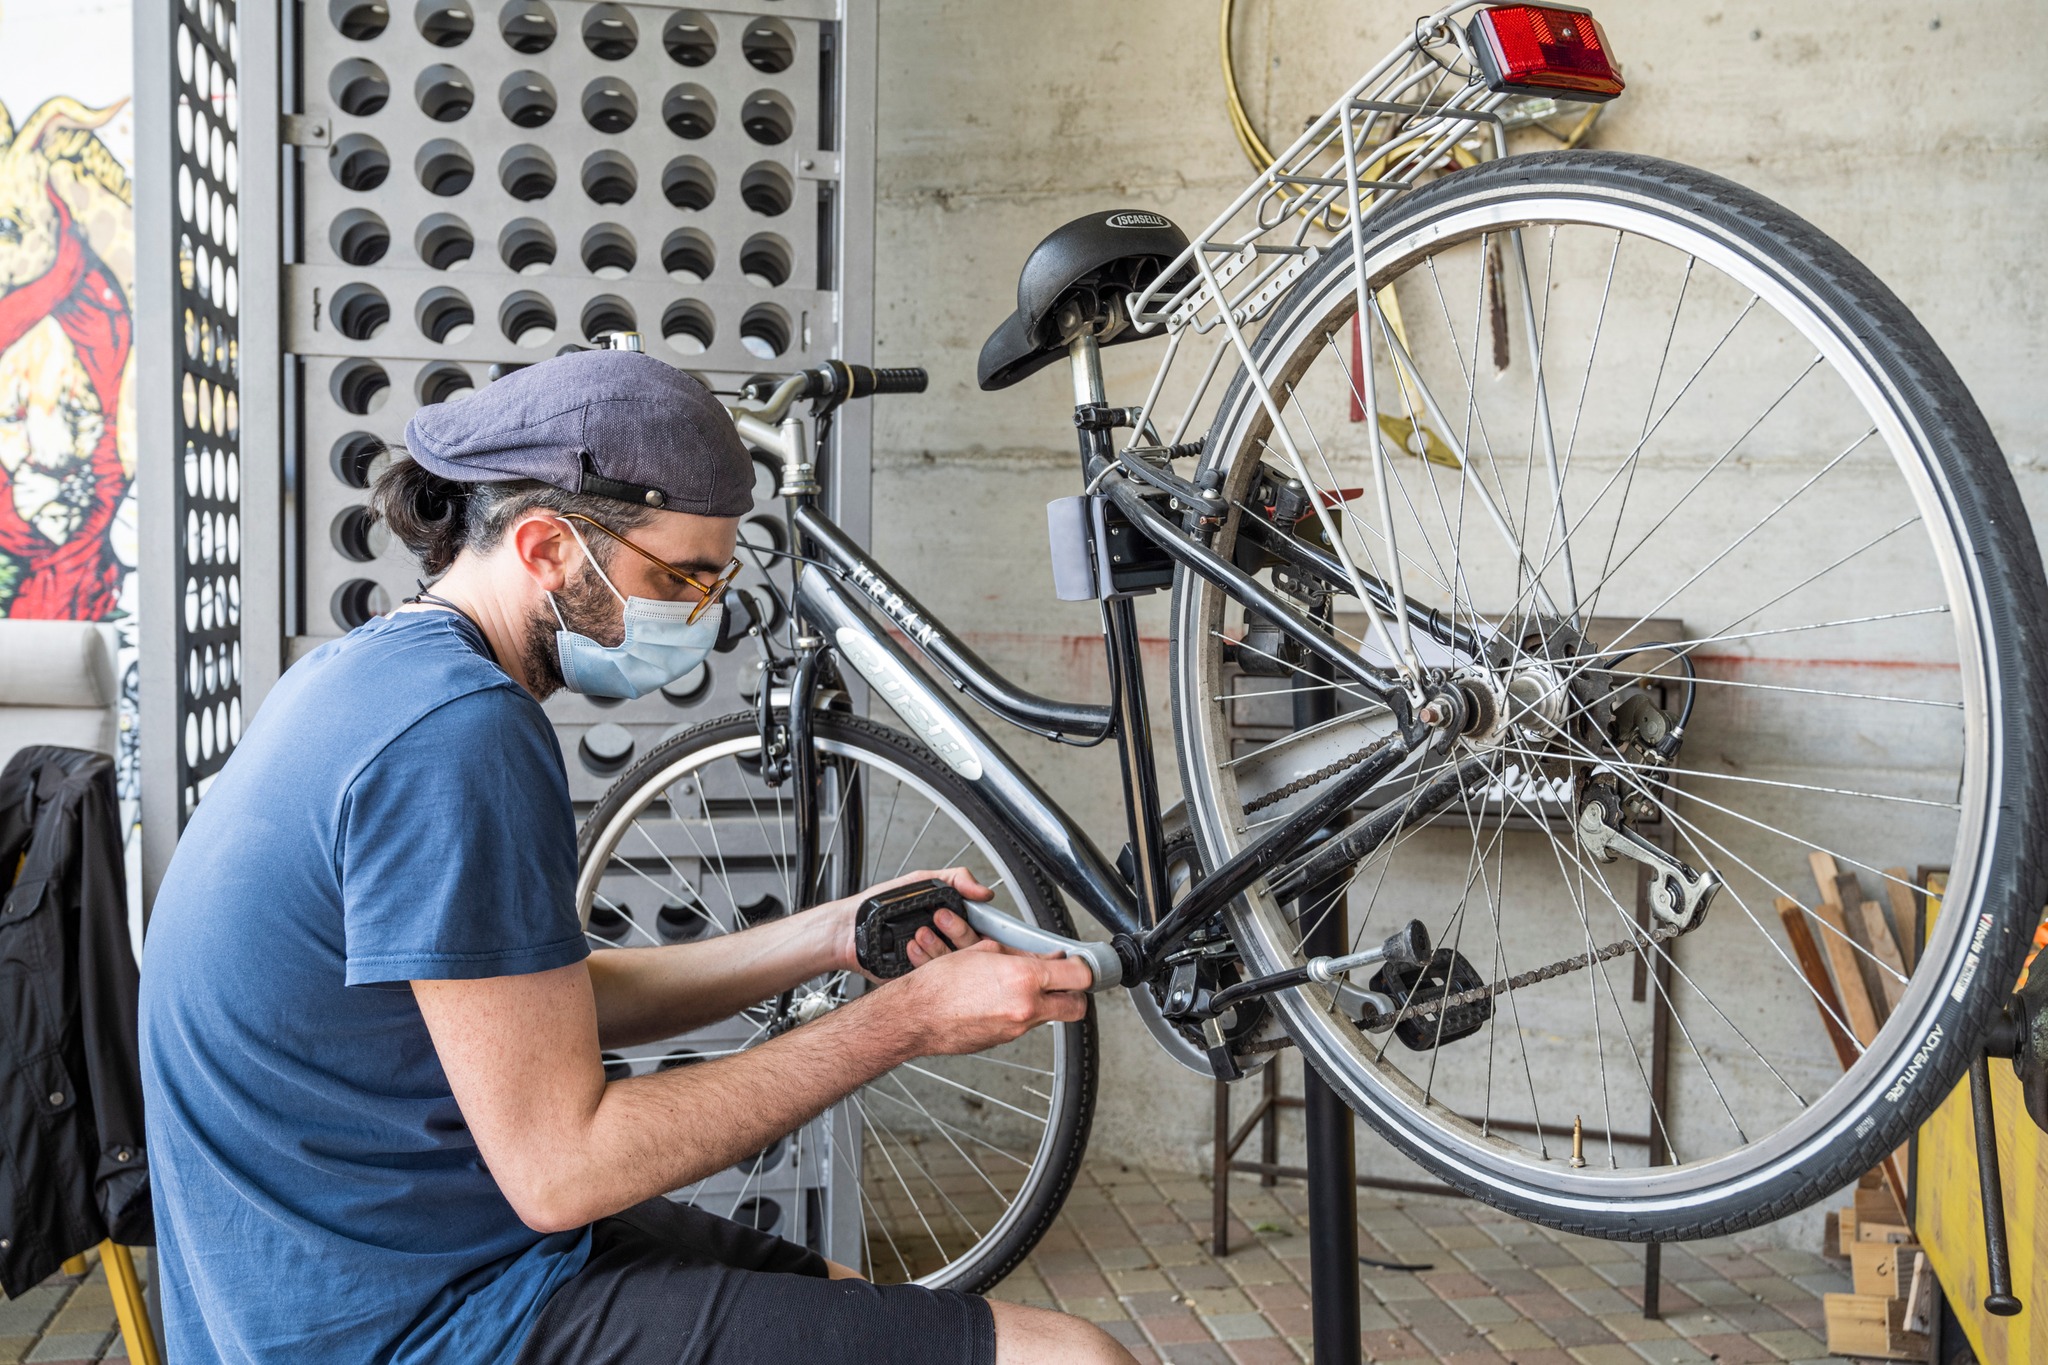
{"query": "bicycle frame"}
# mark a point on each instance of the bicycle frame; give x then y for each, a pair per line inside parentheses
(1388, 128)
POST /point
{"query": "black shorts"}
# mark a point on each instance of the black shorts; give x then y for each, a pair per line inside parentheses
(671, 1285)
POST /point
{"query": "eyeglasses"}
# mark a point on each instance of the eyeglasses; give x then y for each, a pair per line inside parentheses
(708, 593)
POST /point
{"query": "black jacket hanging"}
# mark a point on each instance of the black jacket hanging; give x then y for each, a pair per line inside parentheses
(71, 1164)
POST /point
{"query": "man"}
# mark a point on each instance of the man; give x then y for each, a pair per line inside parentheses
(378, 1119)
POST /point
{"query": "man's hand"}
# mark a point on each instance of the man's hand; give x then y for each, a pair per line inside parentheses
(927, 946)
(985, 995)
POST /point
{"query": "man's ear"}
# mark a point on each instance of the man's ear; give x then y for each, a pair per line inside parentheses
(544, 549)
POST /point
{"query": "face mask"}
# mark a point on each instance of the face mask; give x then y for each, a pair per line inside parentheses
(661, 644)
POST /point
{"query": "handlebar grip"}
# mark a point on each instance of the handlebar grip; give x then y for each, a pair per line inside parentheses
(908, 380)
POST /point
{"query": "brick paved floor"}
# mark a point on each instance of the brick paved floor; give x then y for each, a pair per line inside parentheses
(1131, 1252)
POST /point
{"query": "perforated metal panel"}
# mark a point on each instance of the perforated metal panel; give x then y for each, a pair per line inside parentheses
(473, 186)
(206, 564)
(481, 184)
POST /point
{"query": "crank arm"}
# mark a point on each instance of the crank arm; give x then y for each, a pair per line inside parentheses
(1101, 958)
(1678, 895)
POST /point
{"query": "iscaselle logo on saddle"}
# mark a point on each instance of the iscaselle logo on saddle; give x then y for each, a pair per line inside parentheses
(1136, 220)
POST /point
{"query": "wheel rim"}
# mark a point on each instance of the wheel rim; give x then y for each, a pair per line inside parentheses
(953, 1150)
(1482, 1157)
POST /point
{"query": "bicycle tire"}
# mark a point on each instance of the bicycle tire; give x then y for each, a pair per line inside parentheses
(1057, 1160)
(1977, 945)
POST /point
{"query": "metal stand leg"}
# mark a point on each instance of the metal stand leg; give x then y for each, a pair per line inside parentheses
(1332, 1165)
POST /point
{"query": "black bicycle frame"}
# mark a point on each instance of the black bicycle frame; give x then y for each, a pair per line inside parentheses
(841, 581)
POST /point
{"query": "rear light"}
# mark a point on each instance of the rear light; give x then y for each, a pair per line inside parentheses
(1544, 49)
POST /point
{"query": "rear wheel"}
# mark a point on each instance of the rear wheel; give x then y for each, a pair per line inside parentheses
(945, 1171)
(1661, 458)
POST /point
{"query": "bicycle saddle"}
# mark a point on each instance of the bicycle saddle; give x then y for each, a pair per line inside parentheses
(1103, 253)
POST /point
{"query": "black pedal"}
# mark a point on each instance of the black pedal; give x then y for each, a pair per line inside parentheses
(889, 920)
(1419, 984)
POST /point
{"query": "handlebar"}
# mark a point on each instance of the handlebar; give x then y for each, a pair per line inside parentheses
(832, 383)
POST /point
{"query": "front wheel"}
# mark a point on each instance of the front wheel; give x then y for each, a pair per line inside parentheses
(945, 1171)
(1716, 553)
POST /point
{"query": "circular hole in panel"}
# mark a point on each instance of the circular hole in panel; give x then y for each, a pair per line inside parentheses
(527, 173)
(689, 38)
(608, 178)
(764, 331)
(767, 189)
(444, 92)
(765, 259)
(768, 45)
(687, 325)
(359, 237)
(605, 314)
(606, 749)
(360, 20)
(677, 922)
(610, 32)
(354, 458)
(444, 167)
(444, 241)
(689, 111)
(765, 534)
(609, 105)
(527, 319)
(445, 315)
(359, 162)
(610, 922)
(616, 1068)
(528, 98)
(767, 1159)
(688, 183)
(609, 251)
(526, 246)
(758, 1211)
(687, 256)
(359, 311)
(359, 87)
(691, 688)
(442, 381)
(357, 602)
(767, 476)
(768, 118)
(351, 535)
(360, 386)
(444, 23)
(528, 26)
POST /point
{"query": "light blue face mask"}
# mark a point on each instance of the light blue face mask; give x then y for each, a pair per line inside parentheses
(661, 643)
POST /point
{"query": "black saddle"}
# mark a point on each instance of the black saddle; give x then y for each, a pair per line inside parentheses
(1099, 257)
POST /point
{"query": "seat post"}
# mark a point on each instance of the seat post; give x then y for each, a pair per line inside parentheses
(1084, 354)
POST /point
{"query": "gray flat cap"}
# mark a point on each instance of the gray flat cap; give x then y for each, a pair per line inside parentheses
(617, 424)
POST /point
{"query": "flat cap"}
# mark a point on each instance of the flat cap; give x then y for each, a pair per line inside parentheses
(617, 424)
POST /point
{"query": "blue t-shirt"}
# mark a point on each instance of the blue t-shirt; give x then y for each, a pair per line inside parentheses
(398, 810)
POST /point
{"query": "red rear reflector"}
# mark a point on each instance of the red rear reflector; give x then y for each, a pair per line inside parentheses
(1544, 49)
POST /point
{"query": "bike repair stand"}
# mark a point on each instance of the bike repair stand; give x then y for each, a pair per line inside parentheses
(1332, 1167)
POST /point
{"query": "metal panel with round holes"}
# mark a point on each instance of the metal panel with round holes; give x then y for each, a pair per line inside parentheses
(477, 184)
(206, 639)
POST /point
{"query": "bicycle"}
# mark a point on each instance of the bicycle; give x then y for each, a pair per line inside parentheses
(1411, 497)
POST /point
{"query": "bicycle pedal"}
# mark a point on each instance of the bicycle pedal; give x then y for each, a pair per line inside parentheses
(888, 920)
(1417, 985)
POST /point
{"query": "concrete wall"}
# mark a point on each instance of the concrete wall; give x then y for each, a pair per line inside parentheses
(1913, 134)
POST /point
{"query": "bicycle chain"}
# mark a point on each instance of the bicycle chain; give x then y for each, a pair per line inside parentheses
(1314, 779)
(1511, 983)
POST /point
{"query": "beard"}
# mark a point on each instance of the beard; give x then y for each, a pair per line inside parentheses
(588, 608)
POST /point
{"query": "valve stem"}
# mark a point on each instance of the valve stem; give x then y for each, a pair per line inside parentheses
(1578, 1142)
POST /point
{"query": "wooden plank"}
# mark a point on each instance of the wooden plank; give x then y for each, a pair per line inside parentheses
(1849, 896)
(1847, 962)
(1883, 1269)
(1920, 1296)
(1846, 1221)
(1814, 968)
(1905, 911)
(1883, 1232)
(1877, 933)
(1878, 1206)
(1862, 1325)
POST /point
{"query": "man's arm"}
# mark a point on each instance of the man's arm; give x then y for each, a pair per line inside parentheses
(644, 994)
(566, 1148)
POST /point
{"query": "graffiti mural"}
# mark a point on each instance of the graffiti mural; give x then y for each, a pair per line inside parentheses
(66, 444)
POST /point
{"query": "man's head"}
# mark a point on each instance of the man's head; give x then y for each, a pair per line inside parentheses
(565, 488)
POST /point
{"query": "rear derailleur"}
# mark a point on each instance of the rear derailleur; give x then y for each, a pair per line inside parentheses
(1679, 896)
